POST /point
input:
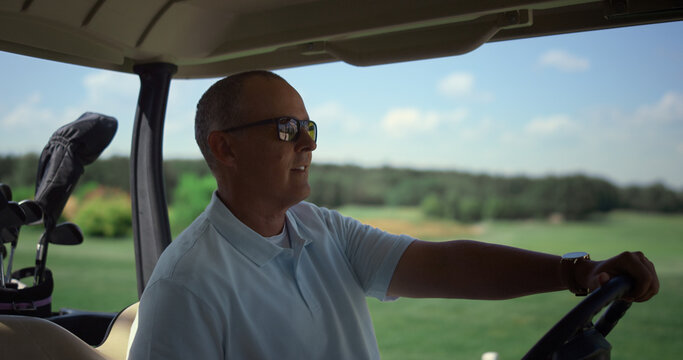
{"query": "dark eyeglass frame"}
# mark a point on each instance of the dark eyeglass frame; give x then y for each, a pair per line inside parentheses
(281, 131)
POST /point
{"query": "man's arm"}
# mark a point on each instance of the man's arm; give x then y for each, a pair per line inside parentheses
(476, 270)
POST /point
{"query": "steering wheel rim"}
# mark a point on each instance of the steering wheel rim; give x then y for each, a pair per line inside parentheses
(582, 314)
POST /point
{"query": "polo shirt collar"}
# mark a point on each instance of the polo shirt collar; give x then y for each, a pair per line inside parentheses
(296, 236)
(247, 241)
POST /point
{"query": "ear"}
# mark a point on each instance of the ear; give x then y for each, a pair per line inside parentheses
(221, 148)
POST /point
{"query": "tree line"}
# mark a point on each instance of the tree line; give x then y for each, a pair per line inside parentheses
(455, 195)
(19, 171)
(474, 197)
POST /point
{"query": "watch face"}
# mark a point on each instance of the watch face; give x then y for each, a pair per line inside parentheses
(575, 255)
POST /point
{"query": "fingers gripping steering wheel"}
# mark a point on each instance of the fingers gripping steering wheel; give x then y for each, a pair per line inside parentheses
(575, 336)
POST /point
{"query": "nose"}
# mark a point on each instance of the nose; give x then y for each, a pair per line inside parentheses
(305, 142)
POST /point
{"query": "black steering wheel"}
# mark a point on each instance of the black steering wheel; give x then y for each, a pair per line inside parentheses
(575, 336)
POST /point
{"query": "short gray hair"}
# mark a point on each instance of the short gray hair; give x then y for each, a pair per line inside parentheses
(220, 107)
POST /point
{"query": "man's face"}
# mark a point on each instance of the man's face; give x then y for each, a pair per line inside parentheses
(266, 168)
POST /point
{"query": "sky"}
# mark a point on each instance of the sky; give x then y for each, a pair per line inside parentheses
(604, 103)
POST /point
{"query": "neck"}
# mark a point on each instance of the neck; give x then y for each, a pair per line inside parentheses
(260, 216)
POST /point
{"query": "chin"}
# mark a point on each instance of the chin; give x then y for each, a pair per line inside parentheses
(303, 194)
(306, 194)
(292, 196)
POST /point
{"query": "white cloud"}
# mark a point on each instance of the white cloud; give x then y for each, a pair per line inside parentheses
(107, 92)
(109, 89)
(461, 85)
(457, 84)
(333, 115)
(549, 125)
(669, 109)
(30, 119)
(104, 92)
(455, 116)
(113, 94)
(111, 81)
(477, 130)
(564, 61)
(27, 112)
(403, 121)
(400, 122)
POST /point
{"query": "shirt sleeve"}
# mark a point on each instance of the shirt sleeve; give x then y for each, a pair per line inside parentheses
(173, 323)
(372, 253)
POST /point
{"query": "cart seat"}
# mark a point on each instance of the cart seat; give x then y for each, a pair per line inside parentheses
(25, 337)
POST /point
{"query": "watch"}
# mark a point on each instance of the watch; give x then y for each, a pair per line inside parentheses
(568, 271)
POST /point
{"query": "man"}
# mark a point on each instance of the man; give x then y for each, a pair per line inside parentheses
(263, 275)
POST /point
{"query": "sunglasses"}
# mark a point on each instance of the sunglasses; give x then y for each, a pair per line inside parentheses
(287, 127)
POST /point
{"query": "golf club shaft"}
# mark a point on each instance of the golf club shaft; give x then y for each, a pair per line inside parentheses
(9, 262)
(41, 255)
(10, 235)
(2, 273)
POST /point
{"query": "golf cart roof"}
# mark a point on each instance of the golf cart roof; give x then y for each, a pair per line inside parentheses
(208, 38)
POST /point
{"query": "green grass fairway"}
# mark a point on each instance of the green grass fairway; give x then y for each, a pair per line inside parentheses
(464, 329)
(100, 275)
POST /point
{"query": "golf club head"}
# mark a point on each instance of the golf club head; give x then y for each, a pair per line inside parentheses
(66, 234)
(62, 234)
(32, 211)
(11, 215)
(6, 192)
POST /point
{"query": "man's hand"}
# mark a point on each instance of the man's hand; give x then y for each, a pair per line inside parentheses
(594, 274)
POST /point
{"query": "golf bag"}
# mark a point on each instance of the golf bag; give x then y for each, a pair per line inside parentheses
(28, 301)
(62, 162)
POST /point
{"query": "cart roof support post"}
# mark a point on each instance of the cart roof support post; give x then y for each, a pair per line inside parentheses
(151, 230)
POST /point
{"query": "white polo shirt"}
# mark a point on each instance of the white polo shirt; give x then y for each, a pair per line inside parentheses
(222, 291)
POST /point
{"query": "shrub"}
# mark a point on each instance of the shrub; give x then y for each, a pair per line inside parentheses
(190, 198)
(432, 206)
(469, 209)
(411, 191)
(83, 189)
(104, 212)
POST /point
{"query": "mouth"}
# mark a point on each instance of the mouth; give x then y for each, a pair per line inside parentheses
(300, 168)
